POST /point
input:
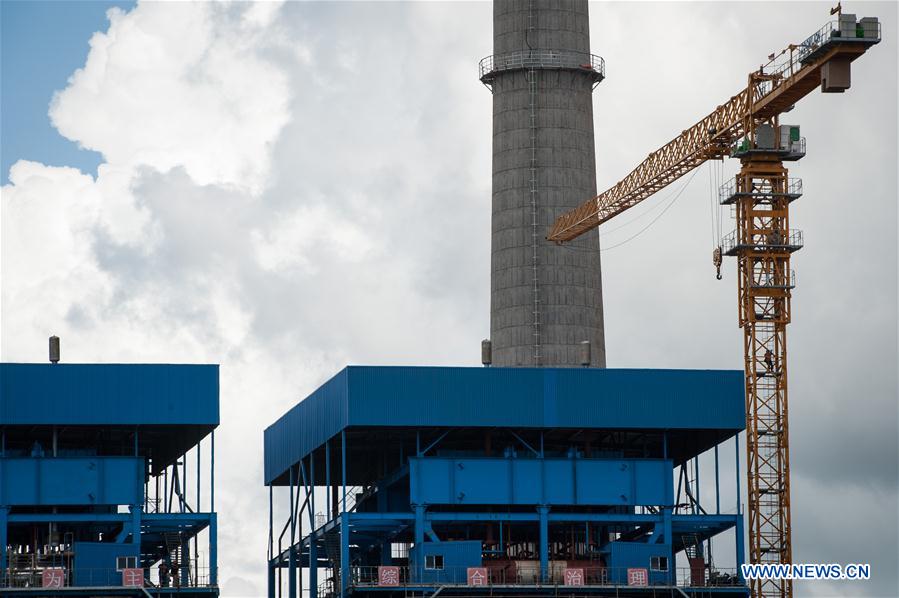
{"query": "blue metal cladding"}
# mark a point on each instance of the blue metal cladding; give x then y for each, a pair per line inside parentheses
(545, 397)
(108, 394)
(34, 481)
(505, 397)
(457, 557)
(638, 555)
(480, 481)
(95, 563)
(306, 425)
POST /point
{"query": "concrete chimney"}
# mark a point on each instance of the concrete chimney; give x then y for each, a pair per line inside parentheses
(544, 299)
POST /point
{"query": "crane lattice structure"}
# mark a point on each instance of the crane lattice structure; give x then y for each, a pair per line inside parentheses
(747, 127)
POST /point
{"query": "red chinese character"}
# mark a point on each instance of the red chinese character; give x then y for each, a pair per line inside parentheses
(637, 577)
(574, 577)
(53, 578)
(133, 578)
(388, 576)
(477, 576)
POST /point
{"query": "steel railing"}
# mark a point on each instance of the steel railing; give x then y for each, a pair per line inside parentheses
(528, 574)
(795, 149)
(541, 59)
(831, 32)
(773, 280)
(729, 190)
(105, 577)
(791, 62)
(792, 240)
(353, 496)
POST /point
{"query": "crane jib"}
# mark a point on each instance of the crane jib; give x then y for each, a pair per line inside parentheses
(773, 89)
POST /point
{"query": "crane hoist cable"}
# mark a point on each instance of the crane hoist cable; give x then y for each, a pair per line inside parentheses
(659, 215)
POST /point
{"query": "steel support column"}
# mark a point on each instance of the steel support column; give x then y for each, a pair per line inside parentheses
(213, 550)
(3, 532)
(343, 468)
(668, 532)
(212, 472)
(717, 485)
(741, 550)
(135, 525)
(292, 557)
(344, 553)
(271, 538)
(543, 513)
(313, 543)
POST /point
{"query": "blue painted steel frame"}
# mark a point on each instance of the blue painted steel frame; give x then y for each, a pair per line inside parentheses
(704, 525)
(396, 397)
(513, 398)
(179, 402)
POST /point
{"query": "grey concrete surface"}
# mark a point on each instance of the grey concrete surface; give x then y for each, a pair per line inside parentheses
(545, 299)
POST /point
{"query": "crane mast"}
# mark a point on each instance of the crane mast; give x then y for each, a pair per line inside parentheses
(748, 127)
(762, 244)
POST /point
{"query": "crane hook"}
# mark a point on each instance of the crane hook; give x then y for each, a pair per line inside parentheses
(716, 259)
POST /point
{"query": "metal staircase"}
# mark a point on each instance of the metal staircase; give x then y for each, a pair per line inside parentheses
(173, 547)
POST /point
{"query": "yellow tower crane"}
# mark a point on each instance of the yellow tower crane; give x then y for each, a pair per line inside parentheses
(748, 127)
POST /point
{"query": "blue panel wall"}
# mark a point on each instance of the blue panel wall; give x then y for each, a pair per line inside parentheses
(615, 482)
(71, 481)
(457, 557)
(108, 394)
(306, 425)
(637, 555)
(545, 397)
(95, 563)
(506, 397)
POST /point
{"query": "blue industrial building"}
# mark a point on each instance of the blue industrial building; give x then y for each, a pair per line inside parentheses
(102, 479)
(508, 481)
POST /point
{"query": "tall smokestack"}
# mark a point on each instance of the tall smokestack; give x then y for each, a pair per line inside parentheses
(545, 300)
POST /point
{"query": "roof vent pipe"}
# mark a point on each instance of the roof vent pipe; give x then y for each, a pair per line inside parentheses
(486, 352)
(54, 349)
(585, 353)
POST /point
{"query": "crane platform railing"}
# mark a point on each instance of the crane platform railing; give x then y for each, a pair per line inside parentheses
(772, 280)
(794, 57)
(730, 192)
(864, 31)
(732, 243)
(791, 152)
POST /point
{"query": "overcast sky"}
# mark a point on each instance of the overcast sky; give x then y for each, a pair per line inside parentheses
(286, 189)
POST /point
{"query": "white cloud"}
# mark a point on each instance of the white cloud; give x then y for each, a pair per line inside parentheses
(288, 188)
(297, 239)
(251, 212)
(180, 85)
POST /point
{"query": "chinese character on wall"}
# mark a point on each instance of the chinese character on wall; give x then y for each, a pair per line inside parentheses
(574, 577)
(133, 578)
(637, 577)
(477, 576)
(388, 576)
(54, 577)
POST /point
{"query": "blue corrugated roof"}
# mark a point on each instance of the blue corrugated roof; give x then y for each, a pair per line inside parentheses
(109, 394)
(505, 397)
